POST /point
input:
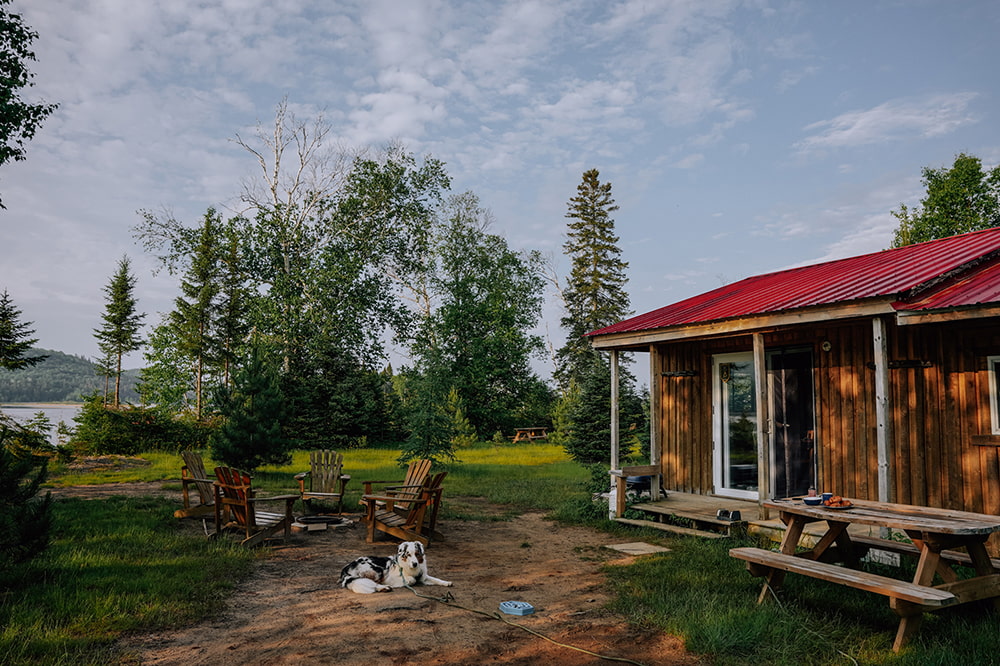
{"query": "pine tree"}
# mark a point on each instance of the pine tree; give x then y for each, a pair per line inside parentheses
(25, 519)
(119, 334)
(595, 294)
(195, 311)
(15, 342)
(594, 297)
(231, 325)
(253, 410)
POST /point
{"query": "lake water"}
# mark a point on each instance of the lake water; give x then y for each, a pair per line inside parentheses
(24, 412)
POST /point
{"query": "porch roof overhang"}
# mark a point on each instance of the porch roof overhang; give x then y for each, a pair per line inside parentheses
(640, 340)
(947, 280)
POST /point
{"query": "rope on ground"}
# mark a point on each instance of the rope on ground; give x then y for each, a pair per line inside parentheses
(448, 600)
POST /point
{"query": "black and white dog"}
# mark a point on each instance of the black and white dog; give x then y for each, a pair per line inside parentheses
(380, 574)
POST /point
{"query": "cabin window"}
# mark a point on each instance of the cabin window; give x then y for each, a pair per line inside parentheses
(993, 365)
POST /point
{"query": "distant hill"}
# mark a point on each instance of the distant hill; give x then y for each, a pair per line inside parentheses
(60, 378)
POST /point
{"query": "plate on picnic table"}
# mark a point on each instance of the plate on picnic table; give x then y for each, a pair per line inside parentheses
(846, 505)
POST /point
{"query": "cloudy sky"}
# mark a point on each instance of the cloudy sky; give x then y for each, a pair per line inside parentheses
(740, 137)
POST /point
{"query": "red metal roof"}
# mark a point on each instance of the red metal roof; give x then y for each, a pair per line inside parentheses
(912, 274)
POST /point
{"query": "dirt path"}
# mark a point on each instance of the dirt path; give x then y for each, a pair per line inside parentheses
(291, 611)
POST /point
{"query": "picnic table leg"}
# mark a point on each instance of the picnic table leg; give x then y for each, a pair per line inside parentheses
(982, 564)
(793, 532)
(911, 618)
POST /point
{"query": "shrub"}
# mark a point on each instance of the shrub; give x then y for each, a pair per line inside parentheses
(129, 430)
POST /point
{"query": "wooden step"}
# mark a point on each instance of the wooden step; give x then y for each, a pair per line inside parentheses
(690, 515)
(666, 527)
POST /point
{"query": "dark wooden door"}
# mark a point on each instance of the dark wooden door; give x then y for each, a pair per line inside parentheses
(793, 444)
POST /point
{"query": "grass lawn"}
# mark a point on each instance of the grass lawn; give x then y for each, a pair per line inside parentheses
(114, 566)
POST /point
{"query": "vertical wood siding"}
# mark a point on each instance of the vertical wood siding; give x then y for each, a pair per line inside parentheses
(941, 452)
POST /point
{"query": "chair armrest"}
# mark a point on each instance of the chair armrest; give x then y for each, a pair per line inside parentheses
(273, 498)
(393, 498)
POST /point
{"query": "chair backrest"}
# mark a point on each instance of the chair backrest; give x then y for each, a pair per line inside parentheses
(196, 470)
(325, 468)
(417, 472)
(235, 491)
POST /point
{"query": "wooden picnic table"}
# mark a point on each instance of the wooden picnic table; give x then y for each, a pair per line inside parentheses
(530, 434)
(936, 535)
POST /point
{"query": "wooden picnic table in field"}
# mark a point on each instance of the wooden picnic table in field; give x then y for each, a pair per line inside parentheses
(936, 535)
(530, 434)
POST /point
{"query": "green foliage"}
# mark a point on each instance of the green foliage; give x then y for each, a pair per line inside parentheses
(430, 426)
(334, 404)
(480, 303)
(165, 380)
(129, 430)
(15, 340)
(19, 120)
(253, 417)
(463, 434)
(61, 378)
(590, 414)
(562, 414)
(25, 519)
(119, 332)
(961, 199)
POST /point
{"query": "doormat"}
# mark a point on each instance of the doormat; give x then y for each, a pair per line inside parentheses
(638, 548)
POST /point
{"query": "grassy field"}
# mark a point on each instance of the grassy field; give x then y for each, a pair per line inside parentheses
(114, 566)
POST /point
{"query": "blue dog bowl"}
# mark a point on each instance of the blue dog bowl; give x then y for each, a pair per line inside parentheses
(517, 607)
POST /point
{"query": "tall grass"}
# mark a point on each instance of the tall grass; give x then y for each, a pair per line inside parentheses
(113, 566)
(701, 594)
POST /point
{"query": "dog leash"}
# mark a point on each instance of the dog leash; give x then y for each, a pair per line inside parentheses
(448, 600)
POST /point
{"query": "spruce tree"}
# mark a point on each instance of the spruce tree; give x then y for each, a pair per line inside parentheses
(595, 294)
(195, 310)
(253, 411)
(119, 334)
(594, 297)
(15, 340)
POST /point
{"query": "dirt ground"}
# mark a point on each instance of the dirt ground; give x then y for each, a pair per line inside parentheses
(291, 610)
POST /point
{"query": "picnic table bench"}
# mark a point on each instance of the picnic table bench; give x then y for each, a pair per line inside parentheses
(935, 535)
(530, 434)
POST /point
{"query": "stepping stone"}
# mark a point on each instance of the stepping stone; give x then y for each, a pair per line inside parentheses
(638, 548)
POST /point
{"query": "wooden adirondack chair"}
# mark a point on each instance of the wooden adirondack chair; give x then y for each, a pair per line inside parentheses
(416, 475)
(434, 492)
(325, 478)
(384, 515)
(235, 506)
(193, 474)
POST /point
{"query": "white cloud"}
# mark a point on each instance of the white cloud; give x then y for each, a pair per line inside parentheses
(894, 120)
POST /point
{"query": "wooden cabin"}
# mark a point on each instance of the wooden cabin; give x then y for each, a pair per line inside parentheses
(873, 377)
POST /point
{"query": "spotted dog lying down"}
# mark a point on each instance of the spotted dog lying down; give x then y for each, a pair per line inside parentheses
(380, 574)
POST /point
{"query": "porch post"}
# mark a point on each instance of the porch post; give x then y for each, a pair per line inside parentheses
(763, 424)
(654, 422)
(883, 412)
(614, 409)
(617, 483)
